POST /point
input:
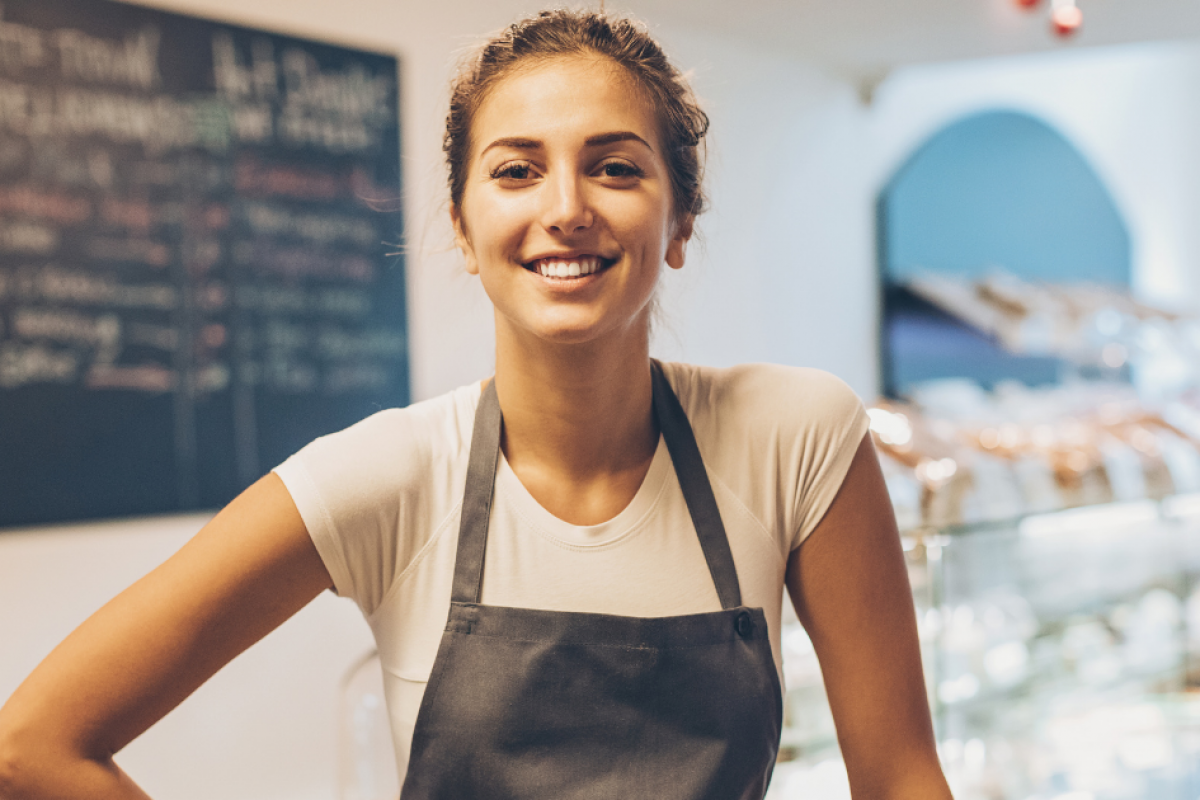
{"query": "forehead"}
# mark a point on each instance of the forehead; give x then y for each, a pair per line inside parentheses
(562, 98)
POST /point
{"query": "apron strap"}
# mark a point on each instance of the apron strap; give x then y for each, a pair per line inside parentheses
(697, 491)
(689, 469)
(477, 498)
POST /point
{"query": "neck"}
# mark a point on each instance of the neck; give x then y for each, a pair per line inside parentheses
(579, 412)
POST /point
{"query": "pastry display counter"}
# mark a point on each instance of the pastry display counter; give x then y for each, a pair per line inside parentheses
(1058, 648)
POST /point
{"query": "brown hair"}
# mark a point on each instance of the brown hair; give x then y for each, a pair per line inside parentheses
(682, 122)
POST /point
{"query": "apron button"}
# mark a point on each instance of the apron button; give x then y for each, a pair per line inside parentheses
(744, 625)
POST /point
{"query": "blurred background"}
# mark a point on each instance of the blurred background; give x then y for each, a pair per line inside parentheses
(982, 214)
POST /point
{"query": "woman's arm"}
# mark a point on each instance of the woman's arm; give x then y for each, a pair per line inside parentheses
(849, 584)
(139, 656)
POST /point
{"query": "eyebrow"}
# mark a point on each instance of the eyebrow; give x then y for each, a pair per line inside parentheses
(616, 136)
(521, 143)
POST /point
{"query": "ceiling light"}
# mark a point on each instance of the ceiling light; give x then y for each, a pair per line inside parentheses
(1065, 17)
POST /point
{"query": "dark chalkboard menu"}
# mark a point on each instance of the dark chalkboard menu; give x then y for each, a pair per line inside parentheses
(197, 269)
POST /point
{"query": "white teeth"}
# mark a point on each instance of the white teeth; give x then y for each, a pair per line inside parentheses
(569, 269)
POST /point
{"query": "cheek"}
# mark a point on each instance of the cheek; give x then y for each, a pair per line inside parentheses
(644, 225)
(496, 227)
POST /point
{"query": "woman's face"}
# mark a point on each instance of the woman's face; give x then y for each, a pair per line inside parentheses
(566, 214)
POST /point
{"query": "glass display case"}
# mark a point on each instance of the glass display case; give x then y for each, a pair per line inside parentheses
(1059, 650)
(366, 753)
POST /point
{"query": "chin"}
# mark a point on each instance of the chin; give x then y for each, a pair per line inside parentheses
(581, 329)
(569, 336)
(576, 333)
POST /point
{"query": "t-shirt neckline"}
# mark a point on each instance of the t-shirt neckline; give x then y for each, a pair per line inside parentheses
(609, 532)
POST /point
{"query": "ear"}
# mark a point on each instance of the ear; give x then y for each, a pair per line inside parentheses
(462, 241)
(677, 247)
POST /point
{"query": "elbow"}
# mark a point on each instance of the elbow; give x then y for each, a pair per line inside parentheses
(16, 770)
(10, 774)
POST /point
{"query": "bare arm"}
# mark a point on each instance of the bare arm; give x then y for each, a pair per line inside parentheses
(849, 584)
(138, 657)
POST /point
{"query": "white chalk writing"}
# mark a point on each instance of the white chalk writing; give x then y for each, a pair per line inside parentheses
(141, 251)
(253, 123)
(66, 327)
(272, 220)
(21, 47)
(28, 237)
(287, 375)
(341, 345)
(158, 122)
(295, 263)
(279, 334)
(334, 301)
(21, 364)
(254, 179)
(343, 302)
(56, 284)
(301, 129)
(132, 62)
(272, 299)
(356, 378)
(137, 215)
(350, 94)
(341, 111)
(212, 378)
(15, 106)
(147, 378)
(236, 80)
(54, 206)
(53, 162)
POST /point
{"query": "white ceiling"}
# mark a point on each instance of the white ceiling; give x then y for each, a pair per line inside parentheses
(866, 38)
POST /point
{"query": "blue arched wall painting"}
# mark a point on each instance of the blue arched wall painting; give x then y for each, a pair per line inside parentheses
(996, 189)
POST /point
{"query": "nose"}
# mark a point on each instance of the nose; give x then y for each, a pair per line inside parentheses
(565, 206)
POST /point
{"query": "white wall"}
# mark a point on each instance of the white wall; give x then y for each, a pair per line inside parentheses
(263, 728)
(785, 273)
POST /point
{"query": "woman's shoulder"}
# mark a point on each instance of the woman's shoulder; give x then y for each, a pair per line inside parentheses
(372, 494)
(779, 438)
(756, 394)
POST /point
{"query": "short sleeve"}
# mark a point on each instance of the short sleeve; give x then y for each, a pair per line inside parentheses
(359, 494)
(781, 439)
(835, 426)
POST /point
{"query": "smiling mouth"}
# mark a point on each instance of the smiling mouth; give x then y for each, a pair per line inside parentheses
(566, 268)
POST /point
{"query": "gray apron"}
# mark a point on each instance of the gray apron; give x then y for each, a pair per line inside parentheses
(528, 704)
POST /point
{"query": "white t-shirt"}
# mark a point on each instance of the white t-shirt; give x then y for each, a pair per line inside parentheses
(382, 499)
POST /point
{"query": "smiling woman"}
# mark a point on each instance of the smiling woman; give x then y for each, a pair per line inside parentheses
(566, 211)
(574, 569)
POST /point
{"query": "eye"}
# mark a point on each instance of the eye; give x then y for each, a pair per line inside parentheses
(513, 171)
(620, 169)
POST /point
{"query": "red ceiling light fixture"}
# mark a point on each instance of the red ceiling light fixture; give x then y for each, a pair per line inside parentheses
(1065, 17)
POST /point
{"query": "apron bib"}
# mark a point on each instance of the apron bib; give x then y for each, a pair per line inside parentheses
(529, 704)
